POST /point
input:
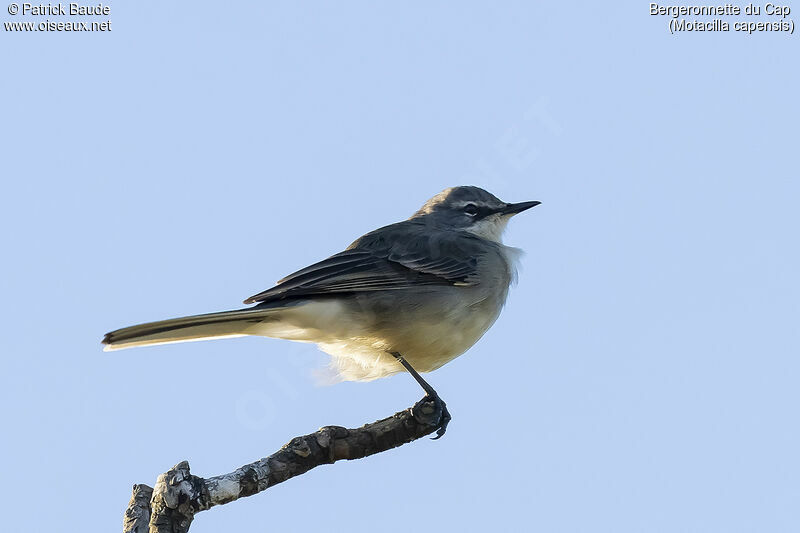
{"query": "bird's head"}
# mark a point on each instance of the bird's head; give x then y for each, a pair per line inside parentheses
(471, 209)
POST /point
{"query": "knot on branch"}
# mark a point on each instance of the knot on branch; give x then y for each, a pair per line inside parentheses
(137, 515)
(177, 496)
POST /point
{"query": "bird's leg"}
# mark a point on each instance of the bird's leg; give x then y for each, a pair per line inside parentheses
(440, 415)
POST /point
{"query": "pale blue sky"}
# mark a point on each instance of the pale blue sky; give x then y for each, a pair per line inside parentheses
(642, 378)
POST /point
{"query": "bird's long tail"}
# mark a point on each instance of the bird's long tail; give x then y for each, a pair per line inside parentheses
(189, 328)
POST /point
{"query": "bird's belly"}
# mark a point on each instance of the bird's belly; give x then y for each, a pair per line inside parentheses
(427, 338)
(361, 333)
(427, 346)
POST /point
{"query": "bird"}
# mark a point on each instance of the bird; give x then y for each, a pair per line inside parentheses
(410, 296)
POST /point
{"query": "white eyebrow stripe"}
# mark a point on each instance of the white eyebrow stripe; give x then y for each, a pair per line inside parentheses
(464, 203)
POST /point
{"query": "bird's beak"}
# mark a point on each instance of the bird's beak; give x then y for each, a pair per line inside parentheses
(513, 209)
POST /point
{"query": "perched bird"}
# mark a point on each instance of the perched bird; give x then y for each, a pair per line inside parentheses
(412, 295)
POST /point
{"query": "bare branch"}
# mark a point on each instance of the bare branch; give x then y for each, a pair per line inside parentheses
(178, 495)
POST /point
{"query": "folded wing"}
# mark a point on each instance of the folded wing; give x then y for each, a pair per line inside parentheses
(395, 257)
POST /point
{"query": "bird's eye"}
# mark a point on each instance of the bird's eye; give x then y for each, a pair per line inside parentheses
(471, 209)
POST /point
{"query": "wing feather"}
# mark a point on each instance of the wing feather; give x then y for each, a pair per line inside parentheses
(396, 257)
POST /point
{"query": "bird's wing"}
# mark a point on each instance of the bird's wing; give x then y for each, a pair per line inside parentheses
(399, 256)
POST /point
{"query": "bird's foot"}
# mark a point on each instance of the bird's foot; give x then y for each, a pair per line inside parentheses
(432, 411)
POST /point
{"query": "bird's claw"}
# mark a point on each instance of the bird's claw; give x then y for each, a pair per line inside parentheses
(432, 411)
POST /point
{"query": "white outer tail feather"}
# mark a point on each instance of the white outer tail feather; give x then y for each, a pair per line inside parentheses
(155, 342)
